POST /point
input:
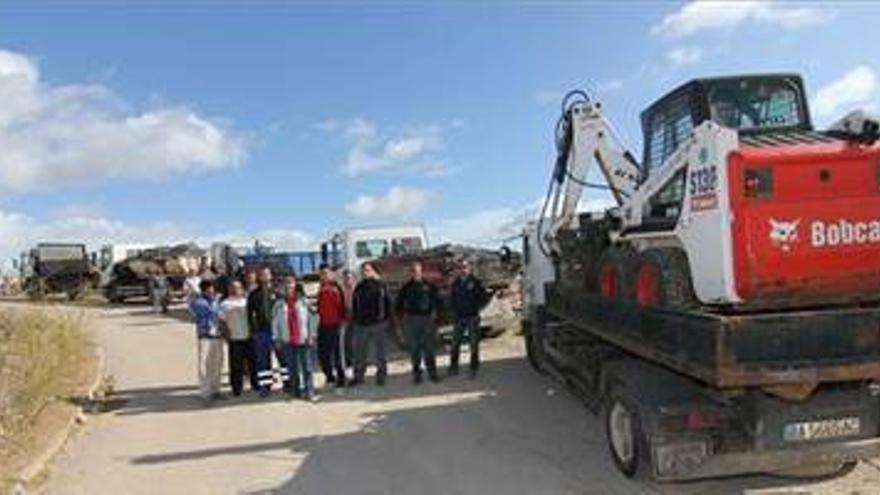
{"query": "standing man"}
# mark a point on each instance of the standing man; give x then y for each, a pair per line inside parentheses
(331, 312)
(233, 314)
(348, 284)
(260, 303)
(294, 325)
(250, 281)
(468, 297)
(371, 310)
(417, 304)
(159, 290)
(205, 309)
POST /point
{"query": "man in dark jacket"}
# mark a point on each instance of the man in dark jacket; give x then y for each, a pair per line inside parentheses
(259, 312)
(468, 298)
(371, 310)
(417, 304)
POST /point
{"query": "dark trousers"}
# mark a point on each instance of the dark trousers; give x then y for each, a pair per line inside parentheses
(241, 364)
(297, 359)
(365, 335)
(465, 326)
(422, 334)
(348, 345)
(263, 358)
(329, 354)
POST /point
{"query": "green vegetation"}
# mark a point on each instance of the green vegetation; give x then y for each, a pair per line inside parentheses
(45, 356)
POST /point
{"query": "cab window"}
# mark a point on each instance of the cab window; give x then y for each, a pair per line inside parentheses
(406, 245)
(669, 127)
(371, 248)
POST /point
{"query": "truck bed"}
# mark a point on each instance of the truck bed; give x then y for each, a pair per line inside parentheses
(728, 351)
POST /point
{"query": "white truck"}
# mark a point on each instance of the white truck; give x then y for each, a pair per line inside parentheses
(349, 248)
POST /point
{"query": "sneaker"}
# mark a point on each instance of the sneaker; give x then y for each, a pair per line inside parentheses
(417, 379)
(264, 393)
(380, 381)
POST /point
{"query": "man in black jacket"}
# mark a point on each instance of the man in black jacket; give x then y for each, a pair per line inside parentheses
(259, 312)
(417, 303)
(468, 298)
(371, 310)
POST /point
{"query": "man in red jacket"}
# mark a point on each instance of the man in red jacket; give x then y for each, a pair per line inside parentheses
(331, 313)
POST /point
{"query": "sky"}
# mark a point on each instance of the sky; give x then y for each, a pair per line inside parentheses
(170, 121)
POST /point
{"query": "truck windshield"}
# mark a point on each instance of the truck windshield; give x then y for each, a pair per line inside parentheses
(756, 104)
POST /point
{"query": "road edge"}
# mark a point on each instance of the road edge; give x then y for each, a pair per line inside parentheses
(41, 461)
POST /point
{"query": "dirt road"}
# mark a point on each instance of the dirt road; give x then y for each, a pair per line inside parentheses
(510, 431)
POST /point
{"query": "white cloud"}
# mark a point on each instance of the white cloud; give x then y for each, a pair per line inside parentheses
(857, 86)
(53, 135)
(414, 149)
(397, 202)
(684, 55)
(19, 232)
(697, 16)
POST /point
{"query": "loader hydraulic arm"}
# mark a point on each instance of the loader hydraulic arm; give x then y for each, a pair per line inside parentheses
(584, 136)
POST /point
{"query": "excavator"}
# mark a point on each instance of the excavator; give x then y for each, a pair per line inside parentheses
(724, 314)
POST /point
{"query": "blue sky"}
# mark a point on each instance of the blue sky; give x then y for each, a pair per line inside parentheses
(172, 120)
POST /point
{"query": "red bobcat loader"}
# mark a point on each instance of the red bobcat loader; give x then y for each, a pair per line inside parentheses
(725, 315)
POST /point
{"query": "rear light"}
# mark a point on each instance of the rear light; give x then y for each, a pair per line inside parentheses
(758, 182)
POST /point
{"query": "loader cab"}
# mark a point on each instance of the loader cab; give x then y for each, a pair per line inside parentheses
(751, 104)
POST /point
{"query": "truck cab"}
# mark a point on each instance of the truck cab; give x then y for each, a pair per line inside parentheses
(352, 247)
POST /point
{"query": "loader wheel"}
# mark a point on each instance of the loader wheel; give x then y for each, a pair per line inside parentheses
(623, 433)
(662, 279)
(611, 274)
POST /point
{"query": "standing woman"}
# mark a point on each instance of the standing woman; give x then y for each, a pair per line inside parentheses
(294, 330)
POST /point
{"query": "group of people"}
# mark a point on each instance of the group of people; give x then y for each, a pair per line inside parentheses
(256, 320)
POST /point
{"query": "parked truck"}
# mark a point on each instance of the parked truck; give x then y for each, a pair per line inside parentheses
(130, 277)
(51, 268)
(725, 315)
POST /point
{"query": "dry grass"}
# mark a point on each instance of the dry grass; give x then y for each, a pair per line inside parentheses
(45, 356)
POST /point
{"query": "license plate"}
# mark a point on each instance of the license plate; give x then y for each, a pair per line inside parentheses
(825, 428)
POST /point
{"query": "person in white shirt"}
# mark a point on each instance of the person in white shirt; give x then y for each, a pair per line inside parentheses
(233, 315)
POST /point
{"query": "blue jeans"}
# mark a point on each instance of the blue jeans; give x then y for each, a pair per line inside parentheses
(298, 361)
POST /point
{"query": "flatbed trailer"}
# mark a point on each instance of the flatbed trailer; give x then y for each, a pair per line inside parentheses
(709, 395)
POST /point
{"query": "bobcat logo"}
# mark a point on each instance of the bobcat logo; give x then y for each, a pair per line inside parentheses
(784, 234)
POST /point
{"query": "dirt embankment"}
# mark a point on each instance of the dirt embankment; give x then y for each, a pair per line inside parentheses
(45, 358)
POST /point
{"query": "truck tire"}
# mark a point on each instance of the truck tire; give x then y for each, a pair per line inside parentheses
(662, 278)
(534, 353)
(624, 436)
(611, 273)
